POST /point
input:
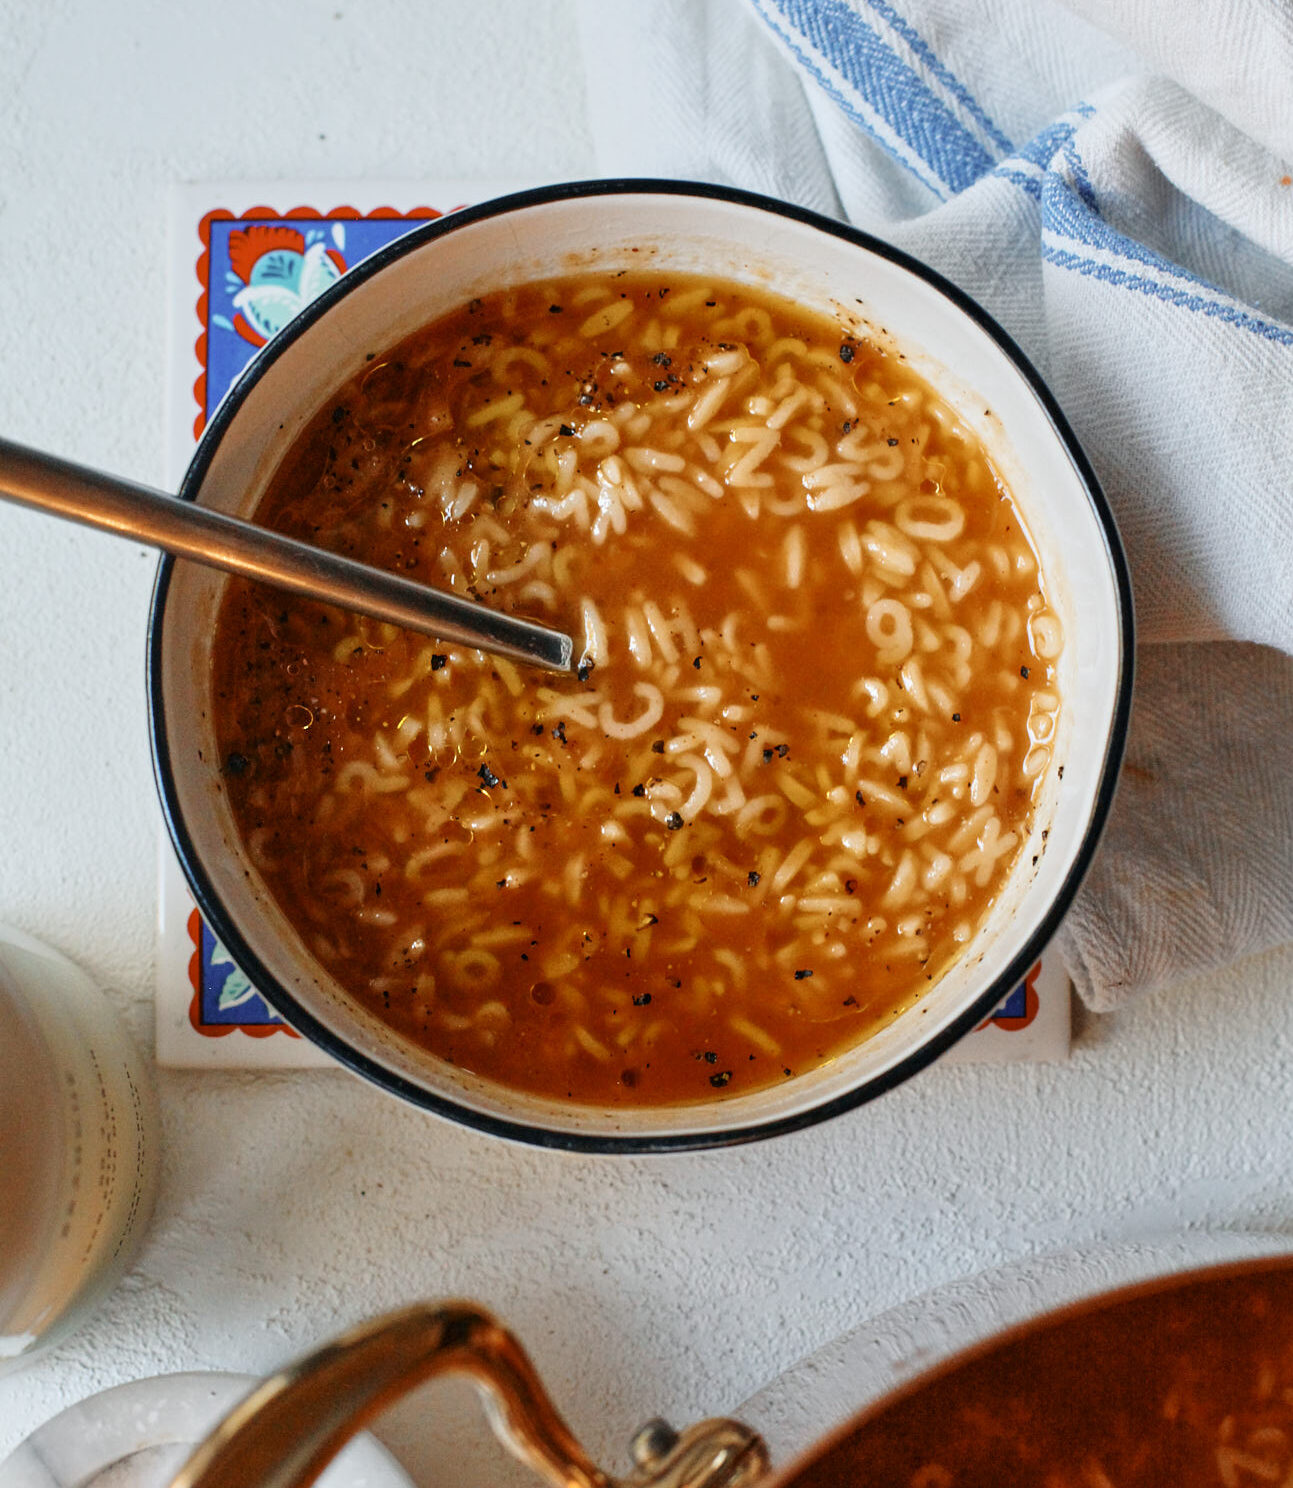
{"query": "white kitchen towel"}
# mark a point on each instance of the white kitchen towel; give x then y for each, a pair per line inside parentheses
(1113, 181)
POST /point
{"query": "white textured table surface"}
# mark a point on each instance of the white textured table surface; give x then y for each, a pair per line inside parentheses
(293, 1204)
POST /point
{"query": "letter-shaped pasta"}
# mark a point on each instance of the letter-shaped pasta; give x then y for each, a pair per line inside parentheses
(596, 649)
(606, 318)
(903, 884)
(650, 715)
(599, 437)
(816, 450)
(888, 627)
(930, 518)
(1046, 636)
(696, 802)
(502, 362)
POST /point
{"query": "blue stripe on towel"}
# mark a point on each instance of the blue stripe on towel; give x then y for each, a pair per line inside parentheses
(1081, 181)
(898, 96)
(939, 70)
(1042, 149)
(1184, 299)
(1044, 145)
(846, 105)
(886, 83)
(1070, 212)
(1031, 184)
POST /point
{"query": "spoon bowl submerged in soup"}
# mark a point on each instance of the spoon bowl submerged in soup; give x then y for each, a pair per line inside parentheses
(817, 701)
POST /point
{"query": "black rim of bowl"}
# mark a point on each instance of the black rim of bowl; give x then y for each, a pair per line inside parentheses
(609, 1141)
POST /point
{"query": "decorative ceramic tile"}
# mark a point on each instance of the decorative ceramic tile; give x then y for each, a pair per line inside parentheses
(1032, 1024)
(244, 260)
(240, 270)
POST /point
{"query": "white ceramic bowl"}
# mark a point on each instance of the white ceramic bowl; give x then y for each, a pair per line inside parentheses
(689, 229)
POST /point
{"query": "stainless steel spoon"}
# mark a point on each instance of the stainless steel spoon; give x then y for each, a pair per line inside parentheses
(190, 531)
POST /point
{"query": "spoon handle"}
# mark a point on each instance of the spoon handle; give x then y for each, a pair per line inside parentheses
(187, 530)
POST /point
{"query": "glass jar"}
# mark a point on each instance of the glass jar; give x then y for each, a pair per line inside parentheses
(78, 1146)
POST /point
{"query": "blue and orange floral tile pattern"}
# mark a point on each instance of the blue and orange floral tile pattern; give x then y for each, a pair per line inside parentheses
(256, 272)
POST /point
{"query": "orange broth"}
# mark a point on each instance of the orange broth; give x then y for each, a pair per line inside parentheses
(817, 699)
(1182, 1384)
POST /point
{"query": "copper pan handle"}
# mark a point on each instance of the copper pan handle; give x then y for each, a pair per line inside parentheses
(287, 1431)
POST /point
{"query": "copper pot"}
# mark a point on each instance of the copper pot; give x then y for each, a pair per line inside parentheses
(1181, 1381)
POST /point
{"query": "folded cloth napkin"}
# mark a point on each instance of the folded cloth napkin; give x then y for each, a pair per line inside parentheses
(1115, 185)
